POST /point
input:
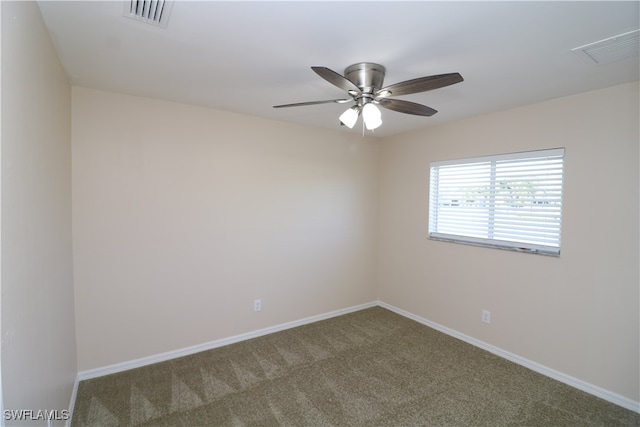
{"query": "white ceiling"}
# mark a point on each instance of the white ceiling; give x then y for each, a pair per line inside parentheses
(246, 57)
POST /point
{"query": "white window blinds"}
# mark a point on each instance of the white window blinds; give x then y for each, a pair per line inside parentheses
(511, 201)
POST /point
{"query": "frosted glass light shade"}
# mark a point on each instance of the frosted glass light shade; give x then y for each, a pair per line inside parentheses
(349, 117)
(372, 116)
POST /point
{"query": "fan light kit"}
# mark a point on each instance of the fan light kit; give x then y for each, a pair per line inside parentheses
(363, 83)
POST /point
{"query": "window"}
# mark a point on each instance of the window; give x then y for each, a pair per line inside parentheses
(510, 201)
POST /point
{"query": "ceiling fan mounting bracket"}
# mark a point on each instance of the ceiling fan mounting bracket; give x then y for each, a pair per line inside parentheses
(366, 75)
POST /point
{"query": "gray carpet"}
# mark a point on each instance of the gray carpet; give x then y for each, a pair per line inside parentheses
(369, 368)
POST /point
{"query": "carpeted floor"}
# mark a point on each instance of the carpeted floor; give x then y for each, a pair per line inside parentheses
(369, 368)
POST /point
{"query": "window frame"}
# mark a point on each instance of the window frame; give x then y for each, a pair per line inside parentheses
(435, 209)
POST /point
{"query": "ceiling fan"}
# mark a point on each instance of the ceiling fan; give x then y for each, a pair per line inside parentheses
(363, 82)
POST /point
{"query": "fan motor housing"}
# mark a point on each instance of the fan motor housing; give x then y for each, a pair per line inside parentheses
(366, 75)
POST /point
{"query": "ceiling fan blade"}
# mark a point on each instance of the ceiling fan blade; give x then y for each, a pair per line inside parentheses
(336, 79)
(421, 84)
(302, 104)
(407, 107)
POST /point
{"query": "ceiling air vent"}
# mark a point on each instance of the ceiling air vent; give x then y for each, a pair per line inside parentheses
(153, 12)
(612, 49)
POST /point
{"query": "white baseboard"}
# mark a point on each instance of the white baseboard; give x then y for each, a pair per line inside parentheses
(162, 357)
(534, 366)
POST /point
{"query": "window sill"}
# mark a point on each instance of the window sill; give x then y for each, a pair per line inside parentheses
(505, 247)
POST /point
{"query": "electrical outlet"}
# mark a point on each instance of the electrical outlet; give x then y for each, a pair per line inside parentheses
(486, 316)
(257, 305)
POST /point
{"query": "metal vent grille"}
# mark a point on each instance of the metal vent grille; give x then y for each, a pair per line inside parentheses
(611, 49)
(154, 12)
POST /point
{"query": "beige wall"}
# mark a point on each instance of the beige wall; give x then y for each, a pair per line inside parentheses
(184, 215)
(578, 313)
(38, 331)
